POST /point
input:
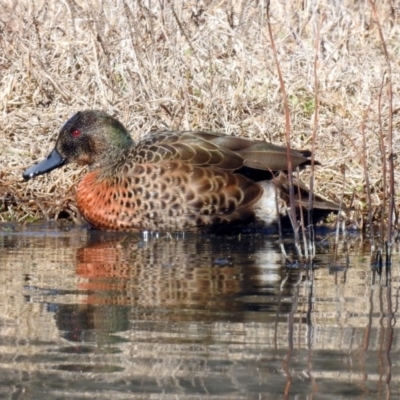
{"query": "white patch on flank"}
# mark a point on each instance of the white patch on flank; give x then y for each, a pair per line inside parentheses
(266, 209)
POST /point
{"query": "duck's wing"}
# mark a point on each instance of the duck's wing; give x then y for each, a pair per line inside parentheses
(226, 152)
(189, 147)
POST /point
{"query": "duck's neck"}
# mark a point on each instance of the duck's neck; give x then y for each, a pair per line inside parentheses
(115, 149)
(113, 164)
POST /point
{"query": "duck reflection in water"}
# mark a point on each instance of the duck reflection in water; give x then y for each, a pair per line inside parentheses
(173, 279)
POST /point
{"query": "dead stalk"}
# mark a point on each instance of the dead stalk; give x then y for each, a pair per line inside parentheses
(293, 217)
(364, 159)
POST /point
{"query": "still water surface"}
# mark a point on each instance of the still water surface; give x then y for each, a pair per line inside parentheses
(114, 316)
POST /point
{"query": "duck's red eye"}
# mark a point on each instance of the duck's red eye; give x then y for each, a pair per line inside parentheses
(76, 133)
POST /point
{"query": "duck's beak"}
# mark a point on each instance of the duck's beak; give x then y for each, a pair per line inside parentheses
(53, 161)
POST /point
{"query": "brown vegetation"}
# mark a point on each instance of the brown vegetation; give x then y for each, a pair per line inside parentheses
(199, 64)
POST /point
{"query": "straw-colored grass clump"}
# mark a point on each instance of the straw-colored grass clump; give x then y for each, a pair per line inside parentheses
(197, 64)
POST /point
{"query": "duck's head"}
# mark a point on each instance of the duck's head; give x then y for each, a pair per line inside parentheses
(88, 138)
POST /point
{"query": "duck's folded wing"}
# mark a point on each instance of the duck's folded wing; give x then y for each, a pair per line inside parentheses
(228, 153)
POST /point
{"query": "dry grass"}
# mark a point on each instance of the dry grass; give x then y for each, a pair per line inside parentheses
(195, 64)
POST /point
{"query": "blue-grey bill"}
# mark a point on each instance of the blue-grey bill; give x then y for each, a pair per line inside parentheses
(53, 161)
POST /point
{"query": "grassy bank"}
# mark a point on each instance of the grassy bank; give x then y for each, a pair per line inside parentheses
(201, 64)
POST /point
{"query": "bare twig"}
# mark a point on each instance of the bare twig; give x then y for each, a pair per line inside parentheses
(287, 133)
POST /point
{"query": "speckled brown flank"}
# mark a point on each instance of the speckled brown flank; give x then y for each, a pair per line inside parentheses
(191, 197)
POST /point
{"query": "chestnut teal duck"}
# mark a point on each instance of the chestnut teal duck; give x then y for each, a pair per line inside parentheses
(175, 180)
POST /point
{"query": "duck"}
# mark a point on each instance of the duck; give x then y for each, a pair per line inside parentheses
(176, 180)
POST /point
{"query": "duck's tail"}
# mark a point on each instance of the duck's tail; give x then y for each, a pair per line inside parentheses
(276, 195)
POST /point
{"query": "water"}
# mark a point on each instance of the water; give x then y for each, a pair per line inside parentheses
(115, 316)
